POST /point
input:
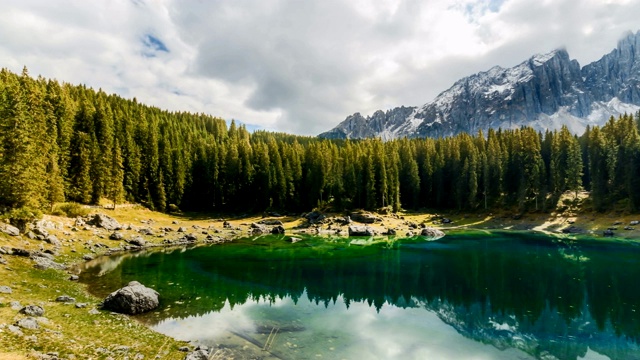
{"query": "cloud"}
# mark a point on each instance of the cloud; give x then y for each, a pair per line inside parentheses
(295, 66)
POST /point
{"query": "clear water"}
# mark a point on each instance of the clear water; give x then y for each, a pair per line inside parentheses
(466, 296)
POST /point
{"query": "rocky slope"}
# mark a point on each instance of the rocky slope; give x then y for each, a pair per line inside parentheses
(544, 92)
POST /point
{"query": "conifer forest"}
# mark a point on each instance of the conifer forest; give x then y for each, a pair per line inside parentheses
(61, 142)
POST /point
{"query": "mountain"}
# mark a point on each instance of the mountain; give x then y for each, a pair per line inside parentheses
(544, 92)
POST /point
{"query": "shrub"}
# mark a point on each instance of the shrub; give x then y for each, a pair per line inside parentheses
(22, 216)
(71, 210)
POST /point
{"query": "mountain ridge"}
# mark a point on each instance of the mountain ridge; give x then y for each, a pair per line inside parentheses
(545, 91)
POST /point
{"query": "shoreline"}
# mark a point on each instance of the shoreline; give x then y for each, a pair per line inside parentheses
(70, 332)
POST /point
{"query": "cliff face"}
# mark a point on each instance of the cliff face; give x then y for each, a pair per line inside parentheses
(545, 92)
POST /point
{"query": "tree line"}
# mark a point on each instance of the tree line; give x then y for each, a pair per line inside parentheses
(62, 142)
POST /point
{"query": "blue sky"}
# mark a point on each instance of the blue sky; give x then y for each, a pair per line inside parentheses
(295, 66)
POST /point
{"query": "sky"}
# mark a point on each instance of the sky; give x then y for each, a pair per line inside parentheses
(296, 66)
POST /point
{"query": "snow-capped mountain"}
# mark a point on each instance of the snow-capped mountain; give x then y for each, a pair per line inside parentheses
(544, 92)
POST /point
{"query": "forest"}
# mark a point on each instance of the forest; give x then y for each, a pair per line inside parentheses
(69, 143)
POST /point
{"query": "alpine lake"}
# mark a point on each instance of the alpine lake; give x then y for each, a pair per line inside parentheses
(469, 295)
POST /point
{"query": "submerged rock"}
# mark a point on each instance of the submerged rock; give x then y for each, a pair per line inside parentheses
(431, 233)
(132, 299)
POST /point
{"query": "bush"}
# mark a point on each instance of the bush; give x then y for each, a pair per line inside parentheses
(20, 217)
(72, 210)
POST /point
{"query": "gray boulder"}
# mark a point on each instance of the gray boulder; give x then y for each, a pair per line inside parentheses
(259, 229)
(364, 217)
(116, 236)
(356, 230)
(271, 222)
(44, 263)
(5, 290)
(53, 240)
(432, 233)
(132, 299)
(293, 239)
(65, 299)
(137, 241)
(197, 355)
(104, 221)
(32, 310)
(9, 229)
(28, 323)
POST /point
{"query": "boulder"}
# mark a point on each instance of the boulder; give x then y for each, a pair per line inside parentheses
(293, 240)
(226, 225)
(32, 310)
(116, 236)
(608, 233)
(5, 290)
(132, 299)
(364, 217)
(137, 241)
(390, 232)
(197, 355)
(356, 230)
(53, 240)
(271, 222)
(634, 223)
(146, 231)
(44, 263)
(182, 229)
(65, 299)
(572, 230)
(28, 323)
(104, 221)
(9, 229)
(278, 230)
(431, 233)
(315, 217)
(259, 229)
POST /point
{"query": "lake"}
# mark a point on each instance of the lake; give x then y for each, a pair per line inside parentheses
(469, 295)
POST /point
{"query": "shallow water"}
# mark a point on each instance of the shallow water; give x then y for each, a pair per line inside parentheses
(466, 296)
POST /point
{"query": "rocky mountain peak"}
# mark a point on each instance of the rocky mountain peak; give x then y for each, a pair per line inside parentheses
(545, 92)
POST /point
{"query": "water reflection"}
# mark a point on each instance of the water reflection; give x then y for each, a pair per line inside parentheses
(507, 293)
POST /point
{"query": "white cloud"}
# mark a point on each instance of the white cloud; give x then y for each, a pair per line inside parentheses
(290, 65)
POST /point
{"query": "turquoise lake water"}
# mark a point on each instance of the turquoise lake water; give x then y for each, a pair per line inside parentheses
(465, 296)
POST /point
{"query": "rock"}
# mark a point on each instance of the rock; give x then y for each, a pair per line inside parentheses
(5, 290)
(182, 229)
(146, 231)
(184, 349)
(608, 233)
(448, 221)
(32, 310)
(315, 217)
(271, 222)
(191, 237)
(364, 217)
(132, 299)
(390, 232)
(53, 240)
(28, 323)
(634, 223)
(226, 225)
(259, 229)
(15, 305)
(87, 257)
(278, 230)
(79, 222)
(15, 330)
(94, 312)
(356, 230)
(197, 355)
(31, 235)
(74, 277)
(629, 228)
(432, 233)
(44, 263)
(9, 229)
(65, 299)
(293, 240)
(572, 230)
(116, 236)
(137, 241)
(104, 221)
(3, 261)
(81, 305)
(617, 223)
